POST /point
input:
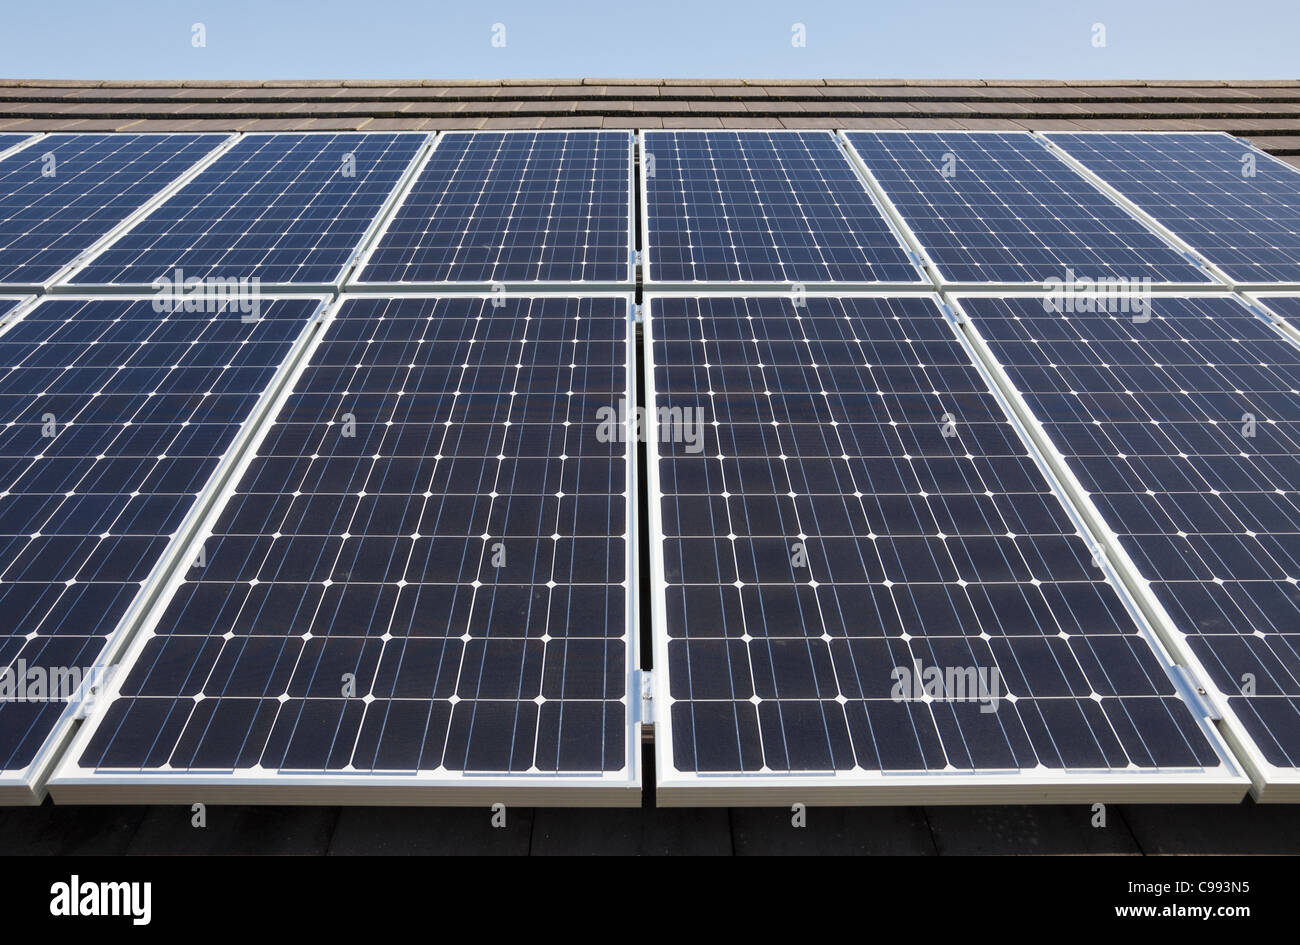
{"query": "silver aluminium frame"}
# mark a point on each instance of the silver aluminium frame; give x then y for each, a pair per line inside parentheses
(678, 788)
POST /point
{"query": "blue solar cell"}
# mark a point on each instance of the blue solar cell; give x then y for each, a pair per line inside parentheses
(1000, 207)
(112, 419)
(859, 513)
(1236, 206)
(61, 195)
(514, 207)
(434, 512)
(758, 206)
(1288, 306)
(1185, 431)
(285, 209)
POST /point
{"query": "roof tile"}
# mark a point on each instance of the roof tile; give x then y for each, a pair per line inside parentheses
(565, 121)
(399, 124)
(691, 121)
(868, 124)
(441, 123)
(1267, 110)
(637, 122)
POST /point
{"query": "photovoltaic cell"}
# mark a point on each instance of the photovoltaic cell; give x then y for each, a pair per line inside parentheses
(60, 196)
(284, 208)
(434, 512)
(514, 207)
(112, 419)
(1233, 204)
(1000, 207)
(1185, 431)
(759, 206)
(861, 509)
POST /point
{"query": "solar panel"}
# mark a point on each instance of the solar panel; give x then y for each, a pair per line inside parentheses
(762, 207)
(1233, 204)
(61, 195)
(420, 589)
(517, 207)
(282, 208)
(858, 520)
(113, 418)
(1184, 431)
(999, 207)
(7, 305)
(1285, 306)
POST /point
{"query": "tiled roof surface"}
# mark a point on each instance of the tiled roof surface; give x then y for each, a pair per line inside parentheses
(1265, 112)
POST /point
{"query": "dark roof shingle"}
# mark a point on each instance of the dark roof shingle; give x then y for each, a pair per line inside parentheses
(1266, 112)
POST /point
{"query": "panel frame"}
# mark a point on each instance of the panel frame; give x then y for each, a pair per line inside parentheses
(1269, 783)
(1284, 325)
(516, 287)
(14, 315)
(21, 143)
(73, 784)
(1151, 222)
(62, 281)
(913, 241)
(923, 283)
(28, 786)
(676, 788)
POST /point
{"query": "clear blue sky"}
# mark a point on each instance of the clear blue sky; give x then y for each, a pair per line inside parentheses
(151, 39)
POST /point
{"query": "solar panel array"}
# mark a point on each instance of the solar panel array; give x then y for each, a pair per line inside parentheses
(1184, 428)
(861, 513)
(765, 207)
(514, 207)
(1236, 206)
(434, 520)
(62, 194)
(114, 417)
(999, 207)
(285, 209)
(414, 569)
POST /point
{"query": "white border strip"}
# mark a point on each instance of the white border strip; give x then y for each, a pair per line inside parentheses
(1275, 318)
(15, 314)
(25, 140)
